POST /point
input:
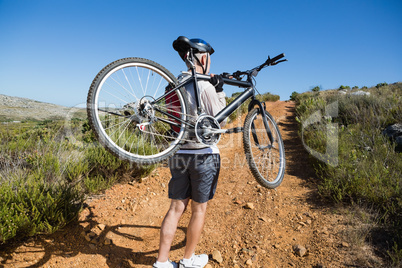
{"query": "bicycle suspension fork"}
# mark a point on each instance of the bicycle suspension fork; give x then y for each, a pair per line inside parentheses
(262, 109)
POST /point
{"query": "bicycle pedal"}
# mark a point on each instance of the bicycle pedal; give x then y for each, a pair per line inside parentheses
(234, 130)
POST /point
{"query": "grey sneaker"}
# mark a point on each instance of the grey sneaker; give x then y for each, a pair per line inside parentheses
(196, 261)
(170, 264)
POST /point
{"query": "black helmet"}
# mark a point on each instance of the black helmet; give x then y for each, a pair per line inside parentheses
(182, 45)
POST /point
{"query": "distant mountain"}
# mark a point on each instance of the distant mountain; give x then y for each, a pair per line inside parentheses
(19, 109)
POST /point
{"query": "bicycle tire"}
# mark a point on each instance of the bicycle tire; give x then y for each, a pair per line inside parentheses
(124, 118)
(266, 160)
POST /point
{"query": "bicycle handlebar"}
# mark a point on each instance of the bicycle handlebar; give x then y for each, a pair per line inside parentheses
(253, 72)
(228, 78)
(280, 56)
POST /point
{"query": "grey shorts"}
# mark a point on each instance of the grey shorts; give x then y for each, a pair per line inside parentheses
(194, 176)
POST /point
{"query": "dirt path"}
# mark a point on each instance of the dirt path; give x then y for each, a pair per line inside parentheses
(121, 227)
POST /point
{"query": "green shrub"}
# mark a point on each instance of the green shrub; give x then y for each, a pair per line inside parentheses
(316, 89)
(45, 174)
(342, 87)
(29, 205)
(294, 96)
(368, 169)
(381, 85)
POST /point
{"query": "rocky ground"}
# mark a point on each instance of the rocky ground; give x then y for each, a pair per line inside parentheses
(247, 225)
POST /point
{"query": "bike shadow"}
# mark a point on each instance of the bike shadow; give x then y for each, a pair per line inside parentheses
(74, 240)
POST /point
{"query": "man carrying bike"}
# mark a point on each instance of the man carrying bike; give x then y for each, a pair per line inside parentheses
(195, 167)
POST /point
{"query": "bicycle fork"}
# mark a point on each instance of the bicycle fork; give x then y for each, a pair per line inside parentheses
(262, 109)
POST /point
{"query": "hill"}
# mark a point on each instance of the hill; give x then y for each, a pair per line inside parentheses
(20, 109)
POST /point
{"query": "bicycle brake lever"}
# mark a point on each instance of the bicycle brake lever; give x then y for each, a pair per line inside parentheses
(280, 61)
(226, 75)
(275, 63)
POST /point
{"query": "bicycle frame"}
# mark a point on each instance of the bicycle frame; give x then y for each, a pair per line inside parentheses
(235, 104)
(225, 112)
(134, 122)
(229, 109)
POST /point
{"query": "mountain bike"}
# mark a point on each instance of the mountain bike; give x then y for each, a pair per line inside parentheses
(139, 112)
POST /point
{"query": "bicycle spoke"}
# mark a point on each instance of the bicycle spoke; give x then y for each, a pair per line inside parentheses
(126, 118)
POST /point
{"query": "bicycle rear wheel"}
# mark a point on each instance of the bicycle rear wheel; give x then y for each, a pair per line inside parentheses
(265, 155)
(131, 113)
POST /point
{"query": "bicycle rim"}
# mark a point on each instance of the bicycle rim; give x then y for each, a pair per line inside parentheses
(126, 117)
(266, 158)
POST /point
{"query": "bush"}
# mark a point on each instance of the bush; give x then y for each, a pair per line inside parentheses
(316, 89)
(294, 96)
(45, 175)
(368, 169)
(342, 87)
(30, 205)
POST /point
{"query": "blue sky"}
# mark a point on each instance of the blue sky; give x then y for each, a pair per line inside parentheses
(51, 50)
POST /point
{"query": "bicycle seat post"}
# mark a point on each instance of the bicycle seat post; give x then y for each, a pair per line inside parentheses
(195, 84)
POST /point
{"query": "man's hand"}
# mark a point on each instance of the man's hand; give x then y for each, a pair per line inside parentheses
(217, 82)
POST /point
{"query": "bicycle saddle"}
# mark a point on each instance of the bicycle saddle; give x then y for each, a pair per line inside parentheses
(182, 44)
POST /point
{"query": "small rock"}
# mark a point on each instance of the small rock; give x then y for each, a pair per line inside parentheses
(101, 226)
(108, 241)
(276, 246)
(300, 250)
(249, 262)
(237, 202)
(208, 266)
(345, 244)
(247, 251)
(249, 206)
(217, 256)
(90, 236)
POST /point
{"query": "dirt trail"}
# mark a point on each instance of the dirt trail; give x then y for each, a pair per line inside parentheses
(125, 221)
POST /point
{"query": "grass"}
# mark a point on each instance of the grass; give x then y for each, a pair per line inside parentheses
(367, 170)
(46, 170)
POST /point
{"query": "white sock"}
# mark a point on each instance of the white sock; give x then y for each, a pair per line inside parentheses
(164, 264)
(187, 261)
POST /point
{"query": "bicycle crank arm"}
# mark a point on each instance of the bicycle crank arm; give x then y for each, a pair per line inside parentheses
(234, 130)
(223, 131)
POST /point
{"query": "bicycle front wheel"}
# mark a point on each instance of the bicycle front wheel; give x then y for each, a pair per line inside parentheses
(134, 113)
(264, 149)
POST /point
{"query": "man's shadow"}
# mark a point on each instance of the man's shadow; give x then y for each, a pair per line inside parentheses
(71, 242)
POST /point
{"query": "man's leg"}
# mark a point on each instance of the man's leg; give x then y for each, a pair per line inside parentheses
(195, 227)
(169, 227)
